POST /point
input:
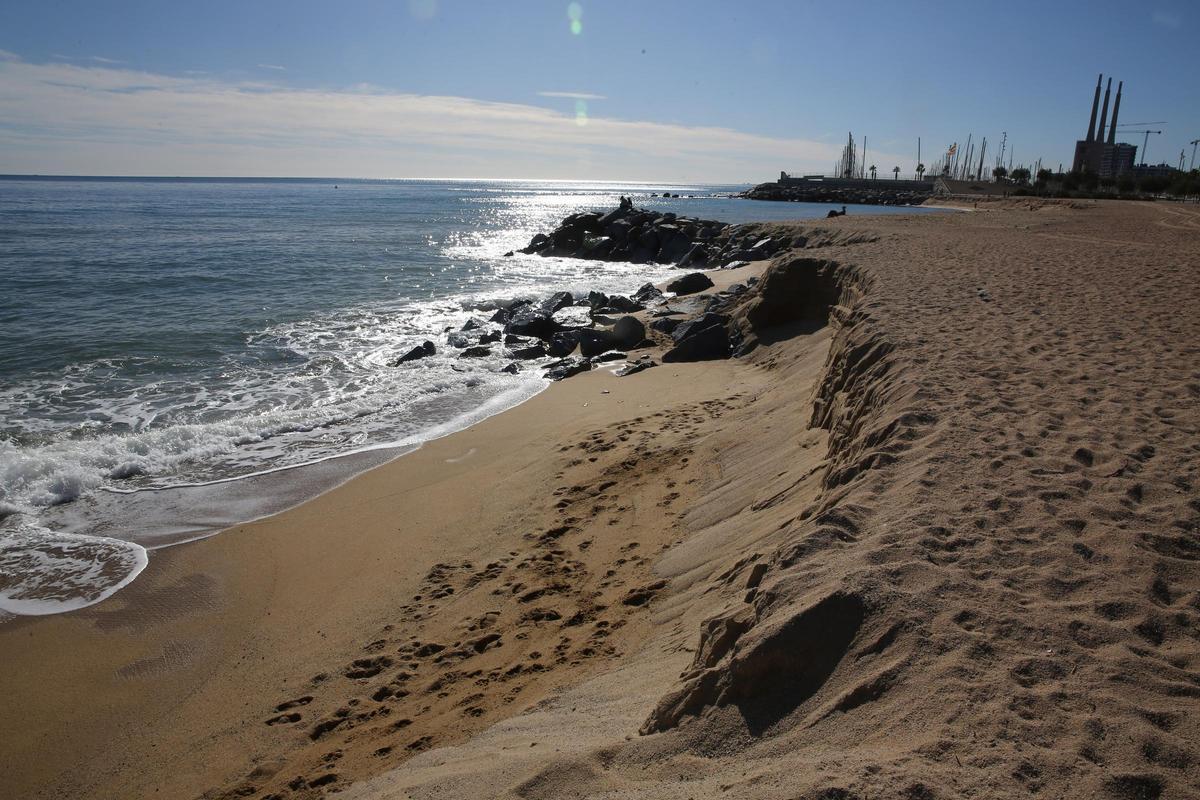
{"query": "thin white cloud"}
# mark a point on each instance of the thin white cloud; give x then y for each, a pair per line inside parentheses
(103, 60)
(273, 66)
(573, 95)
(65, 118)
(6, 55)
(1166, 19)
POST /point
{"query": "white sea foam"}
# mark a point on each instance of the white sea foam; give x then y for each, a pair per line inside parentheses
(145, 445)
(49, 572)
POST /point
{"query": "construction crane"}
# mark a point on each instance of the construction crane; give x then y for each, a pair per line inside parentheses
(1145, 141)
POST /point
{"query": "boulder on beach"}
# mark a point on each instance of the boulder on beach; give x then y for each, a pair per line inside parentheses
(593, 342)
(561, 370)
(706, 345)
(526, 353)
(632, 367)
(628, 332)
(647, 293)
(563, 343)
(622, 304)
(475, 352)
(690, 284)
(530, 320)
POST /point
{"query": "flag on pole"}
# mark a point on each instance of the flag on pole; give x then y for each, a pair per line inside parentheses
(953, 149)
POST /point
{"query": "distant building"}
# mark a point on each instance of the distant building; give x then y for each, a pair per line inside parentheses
(1154, 171)
(1106, 159)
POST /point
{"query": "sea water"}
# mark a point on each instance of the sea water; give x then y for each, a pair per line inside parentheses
(179, 355)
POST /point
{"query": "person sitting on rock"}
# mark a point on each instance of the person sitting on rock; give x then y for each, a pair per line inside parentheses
(626, 202)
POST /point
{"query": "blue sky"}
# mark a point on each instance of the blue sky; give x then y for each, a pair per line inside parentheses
(699, 91)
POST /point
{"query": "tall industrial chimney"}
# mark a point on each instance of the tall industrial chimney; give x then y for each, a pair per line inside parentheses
(1112, 132)
(1104, 112)
(1095, 105)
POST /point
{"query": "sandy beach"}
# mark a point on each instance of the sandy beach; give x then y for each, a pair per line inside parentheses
(935, 537)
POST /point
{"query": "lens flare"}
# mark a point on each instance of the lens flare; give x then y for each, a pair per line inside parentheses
(581, 117)
(575, 14)
(423, 9)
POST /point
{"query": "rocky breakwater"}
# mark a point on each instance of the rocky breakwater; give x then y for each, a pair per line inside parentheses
(561, 334)
(642, 236)
(691, 323)
(816, 193)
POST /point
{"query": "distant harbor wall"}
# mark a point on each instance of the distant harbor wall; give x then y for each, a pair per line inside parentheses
(879, 191)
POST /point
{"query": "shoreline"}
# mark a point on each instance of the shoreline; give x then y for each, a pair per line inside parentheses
(937, 510)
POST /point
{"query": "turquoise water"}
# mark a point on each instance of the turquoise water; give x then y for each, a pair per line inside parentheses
(163, 333)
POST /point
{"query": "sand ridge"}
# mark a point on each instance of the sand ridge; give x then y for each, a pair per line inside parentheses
(993, 594)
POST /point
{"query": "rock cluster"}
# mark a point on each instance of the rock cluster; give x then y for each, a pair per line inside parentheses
(642, 236)
(598, 326)
(881, 196)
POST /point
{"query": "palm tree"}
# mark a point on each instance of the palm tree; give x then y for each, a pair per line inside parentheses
(920, 171)
(896, 172)
(999, 172)
(872, 172)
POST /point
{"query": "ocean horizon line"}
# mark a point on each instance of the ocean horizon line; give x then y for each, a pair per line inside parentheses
(316, 178)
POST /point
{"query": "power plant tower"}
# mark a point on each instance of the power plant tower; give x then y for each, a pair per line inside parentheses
(1091, 137)
(1100, 154)
(1104, 111)
(1112, 132)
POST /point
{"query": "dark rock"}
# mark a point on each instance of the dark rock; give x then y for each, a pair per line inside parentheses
(617, 213)
(675, 246)
(631, 367)
(594, 342)
(539, 242)
(422, 350)
(628, 331)
(563, 343)
(475, 352)
(623, 304)
(500, 315)
(519, 341)
(509, 254)
(696, 256)
(609, 355)
(665, 324)
(597, 299)
(560, 370)
(596, 246)
(706, 345)
(690, 284)
(488, 338)
(693, 326)
(511, 369)
(471, 324)
(525, 353)
(531, 321)
(556, 301)
(646, 294)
